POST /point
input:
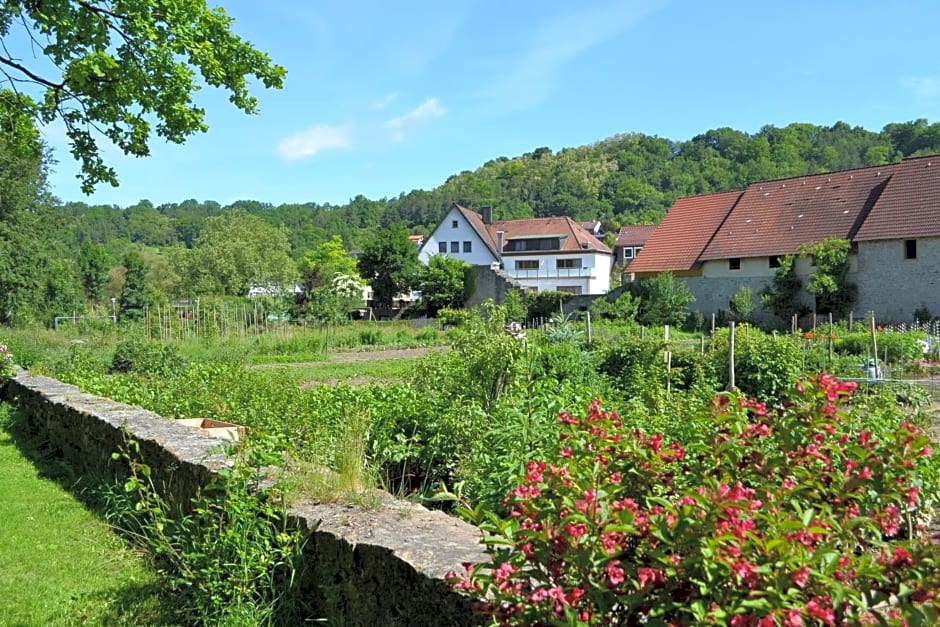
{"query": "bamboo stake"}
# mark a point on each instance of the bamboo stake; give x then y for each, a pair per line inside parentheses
(731, 357)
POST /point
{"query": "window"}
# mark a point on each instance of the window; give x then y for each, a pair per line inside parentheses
(527, 264)
(455, 247)
(454, 224)
(568, 263)
(628, 253)
(442, 247)
(570, 289)
(535, 243)
(734, 263)
(467, 247)
(774, 261)
(910, 249)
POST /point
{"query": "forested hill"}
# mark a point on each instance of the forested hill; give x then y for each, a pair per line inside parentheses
(625, 179)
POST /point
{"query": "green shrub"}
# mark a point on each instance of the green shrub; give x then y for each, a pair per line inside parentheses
(427, 335)
(803, 517)
(370, 337)
(6, 363)
(766, 367)
(146, 357)
(452, 317)
(231, 559)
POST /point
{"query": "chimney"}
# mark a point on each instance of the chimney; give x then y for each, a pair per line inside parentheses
(499, 242)
(487, 214)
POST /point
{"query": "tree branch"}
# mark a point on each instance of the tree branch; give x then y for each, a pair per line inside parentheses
(34, 77)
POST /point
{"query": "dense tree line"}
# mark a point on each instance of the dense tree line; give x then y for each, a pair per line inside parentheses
(75, 251)
(625, 179)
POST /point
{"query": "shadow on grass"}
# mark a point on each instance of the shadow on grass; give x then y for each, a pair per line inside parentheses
(126, 603)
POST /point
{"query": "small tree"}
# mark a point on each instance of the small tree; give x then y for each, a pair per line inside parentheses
(741, 304)
(93, 266)
(624, 308)
(135, 296)
(782, 296)
(829, 283)
(663, 300)
(442, 283)
(389, 263)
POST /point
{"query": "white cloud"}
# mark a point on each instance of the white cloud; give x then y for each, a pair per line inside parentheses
(400, 126)
(315, 139)
(534, 77)
(385, 101)
(924, 87)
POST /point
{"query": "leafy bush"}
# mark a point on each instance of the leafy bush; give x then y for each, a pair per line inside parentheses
(452, 317)
(232, 558)
(900, 347)
(145, 357)
(370, 337)
(427, 335)
(804, 516)
(638, 368)
(545, 304)
(6, 363)
(766, 366)
(623, 308)
(663, 300)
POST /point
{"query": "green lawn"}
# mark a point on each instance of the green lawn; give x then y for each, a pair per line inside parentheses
(59, 563)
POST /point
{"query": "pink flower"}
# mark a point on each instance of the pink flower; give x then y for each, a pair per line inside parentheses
(891, 521)
(792, 618)
(503, 571)
(800, 577)
(818, 608)
(614, 572)
(745, 571)
(900, 558)
(649, 575)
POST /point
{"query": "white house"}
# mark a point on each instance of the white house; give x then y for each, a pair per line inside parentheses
(541, 254)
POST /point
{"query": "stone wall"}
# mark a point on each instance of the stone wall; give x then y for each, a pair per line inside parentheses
(490, 284)
(892, 286)
(364, 566)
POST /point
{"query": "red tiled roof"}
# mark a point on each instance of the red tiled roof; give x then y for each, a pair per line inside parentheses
(777, 217)
(475, 220)
(634, 235)
(683, 234)
(576, 237)
(909, 206)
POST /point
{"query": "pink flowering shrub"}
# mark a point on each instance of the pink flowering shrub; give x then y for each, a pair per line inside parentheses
(794, 517)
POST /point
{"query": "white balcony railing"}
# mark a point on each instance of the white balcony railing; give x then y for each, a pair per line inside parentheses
(554, 273)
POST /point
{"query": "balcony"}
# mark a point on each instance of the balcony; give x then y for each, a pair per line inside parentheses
(554, 273)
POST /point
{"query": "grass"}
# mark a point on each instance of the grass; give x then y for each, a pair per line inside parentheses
(331, 372)
(61, 564)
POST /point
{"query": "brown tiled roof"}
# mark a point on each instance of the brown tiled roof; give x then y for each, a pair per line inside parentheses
(683, 234)
(909, 206)
(776, 217)
(634, 235)
(476, 222)
(577, 238)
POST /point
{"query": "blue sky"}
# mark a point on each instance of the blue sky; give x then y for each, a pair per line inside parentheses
(385, 97)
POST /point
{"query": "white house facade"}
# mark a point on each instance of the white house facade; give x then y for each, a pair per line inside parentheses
(540, 254)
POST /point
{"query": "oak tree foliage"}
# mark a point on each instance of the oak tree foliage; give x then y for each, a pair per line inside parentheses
(123, 70)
